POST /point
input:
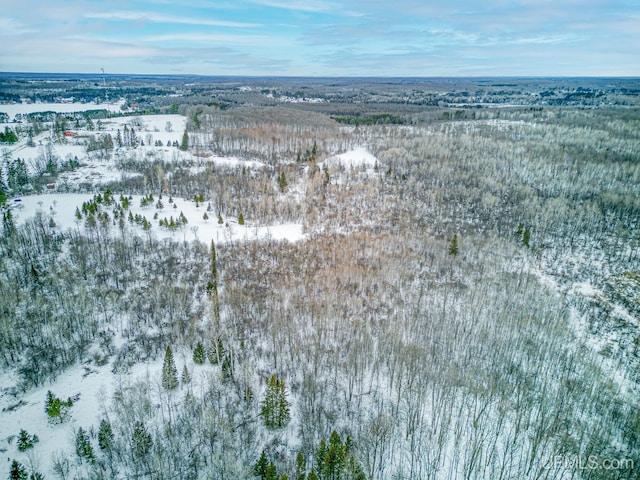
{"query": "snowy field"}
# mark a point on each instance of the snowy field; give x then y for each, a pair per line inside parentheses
(61, 208)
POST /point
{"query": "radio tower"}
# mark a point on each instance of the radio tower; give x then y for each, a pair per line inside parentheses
(106, 92)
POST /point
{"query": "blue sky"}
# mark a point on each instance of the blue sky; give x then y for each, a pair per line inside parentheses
(324, 37)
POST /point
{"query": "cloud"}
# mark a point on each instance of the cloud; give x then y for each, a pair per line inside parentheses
(156, 18)
(301, 6)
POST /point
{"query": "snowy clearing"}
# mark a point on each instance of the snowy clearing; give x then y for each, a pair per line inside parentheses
(61, 208)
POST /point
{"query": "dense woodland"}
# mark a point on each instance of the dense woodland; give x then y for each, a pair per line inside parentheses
(429, 326)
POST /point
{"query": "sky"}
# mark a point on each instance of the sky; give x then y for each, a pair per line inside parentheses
(323, 37)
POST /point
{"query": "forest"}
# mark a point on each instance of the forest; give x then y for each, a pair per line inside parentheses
(463, 303)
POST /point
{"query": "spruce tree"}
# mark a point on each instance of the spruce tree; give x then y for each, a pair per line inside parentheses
(18, 471)
(141, 440)
(526, 237)
(453, 246)
(184, 145)
(105, 435)
(275, 407)
(198, 354)
(301, 467)
(282, 182)
(260, 468)
(185, 378)
(169, 371)
(83, 445)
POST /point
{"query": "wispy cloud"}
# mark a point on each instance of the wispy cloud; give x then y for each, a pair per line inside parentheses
(156, 18)
(301, 6)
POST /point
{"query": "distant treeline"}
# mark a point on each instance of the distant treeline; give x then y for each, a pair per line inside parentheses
(375, 119)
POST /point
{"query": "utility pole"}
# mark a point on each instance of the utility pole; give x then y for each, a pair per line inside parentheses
(106, 92)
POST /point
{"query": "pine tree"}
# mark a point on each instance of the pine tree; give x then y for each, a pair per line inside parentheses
(198, 354)
(26, 441)
(105, 435)
(282, 182)
(169, 371)
(526, 237)
(18, 471)
(83, 445)
(301, 467)
(260, 468)
(272, 472)
(453, 246)
(140, 440)
(275, 407)
(184, 146)
(185, 378)
(56, 409)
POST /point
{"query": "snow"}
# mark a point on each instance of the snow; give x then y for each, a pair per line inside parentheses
(94, 385)
(354, 158)
(62, 206)
(13, 109)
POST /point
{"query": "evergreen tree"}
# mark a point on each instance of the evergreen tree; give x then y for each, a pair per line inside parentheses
(105, 435)
(169, 371)
(220, 221)
(453, 246)
(184, 146)
(185, 378)
(205, 217)
(526, 237)
(272, 472)
(18, 471)
(519, 230)
(312, 475)
(335, 460)
(240, 219)
(198, 354)
(260, 468)
(301, 467)
(282, 182)
(26, 441)
(275, 407)
(56, 409)
(141, 440)
(83, 445)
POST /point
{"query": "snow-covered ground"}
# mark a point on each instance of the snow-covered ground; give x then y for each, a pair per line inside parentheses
(92, 388)
(61, 207)
(358, 157)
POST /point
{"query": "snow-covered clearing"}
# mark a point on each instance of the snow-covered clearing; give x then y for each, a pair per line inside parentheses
(358, 157)
(61, 208)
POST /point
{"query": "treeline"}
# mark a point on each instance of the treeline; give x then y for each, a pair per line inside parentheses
(376, 119)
